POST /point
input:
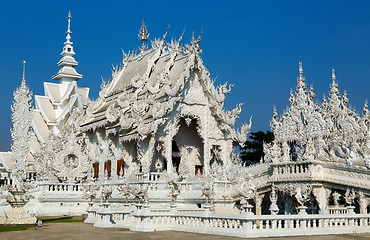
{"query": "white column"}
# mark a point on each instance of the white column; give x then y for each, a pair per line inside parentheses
(206, 146)
(168, 146)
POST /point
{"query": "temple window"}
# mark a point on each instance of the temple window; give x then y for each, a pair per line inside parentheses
(108, 168)
(120, 167)
(198, 169)
(96, 169)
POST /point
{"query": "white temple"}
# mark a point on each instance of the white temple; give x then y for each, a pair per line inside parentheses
(155, 152)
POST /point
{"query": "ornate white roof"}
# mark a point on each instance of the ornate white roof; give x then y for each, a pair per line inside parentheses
(146, 87)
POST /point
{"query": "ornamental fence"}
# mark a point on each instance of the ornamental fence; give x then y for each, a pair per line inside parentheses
(243, 225)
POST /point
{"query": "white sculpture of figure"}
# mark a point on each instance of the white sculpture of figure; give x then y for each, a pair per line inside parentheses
(349, 196)
(266, 152)
(302, 195)
(309, 154)
(190, 157)
(275, 152)
(174, 187)
(207, 191)
(105, 193)
(286, 152)
(336, 197)
(141, 193)
(125, 190)
(319, 148)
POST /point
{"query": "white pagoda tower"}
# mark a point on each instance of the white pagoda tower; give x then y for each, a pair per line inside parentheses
(53, 110)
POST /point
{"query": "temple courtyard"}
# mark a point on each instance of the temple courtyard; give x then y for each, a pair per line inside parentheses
(79, 230)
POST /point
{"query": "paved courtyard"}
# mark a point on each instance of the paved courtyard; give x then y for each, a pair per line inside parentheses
(88, 232)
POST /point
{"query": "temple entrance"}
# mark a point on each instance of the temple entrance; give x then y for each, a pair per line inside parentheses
(187, 149)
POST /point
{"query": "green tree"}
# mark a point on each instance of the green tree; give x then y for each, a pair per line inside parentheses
(252, 152)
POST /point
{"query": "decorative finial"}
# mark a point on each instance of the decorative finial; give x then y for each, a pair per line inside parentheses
(69, 22)
(165, 35)
(300, 71)
(333, 75)
(300, 68)
(143, 34)
(182, 35)
(24, 71)
(200, 36)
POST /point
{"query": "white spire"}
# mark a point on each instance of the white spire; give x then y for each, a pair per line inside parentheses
(300, 72)
(24, 73)
(333, 75)
(67, 62)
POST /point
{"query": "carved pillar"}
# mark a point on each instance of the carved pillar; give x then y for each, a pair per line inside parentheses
(288, 205)
(103, 156)
(114, 169)
(114, 162)
(88, 143)
(206, 146)
(321, 194)
(206, 156)
(168, 151)
(258, 200)
(363, 201)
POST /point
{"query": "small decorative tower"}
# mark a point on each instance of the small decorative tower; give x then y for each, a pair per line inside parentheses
(67, 73)
(21, 130)
(143, 35)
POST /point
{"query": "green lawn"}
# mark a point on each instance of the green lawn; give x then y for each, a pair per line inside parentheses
(7, 228)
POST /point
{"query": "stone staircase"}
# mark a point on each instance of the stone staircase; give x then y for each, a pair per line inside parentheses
(19, 200)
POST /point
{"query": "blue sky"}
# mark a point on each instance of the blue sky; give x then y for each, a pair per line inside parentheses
(254, 44)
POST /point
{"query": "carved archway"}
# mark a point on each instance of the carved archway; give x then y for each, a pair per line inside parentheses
(188, 146)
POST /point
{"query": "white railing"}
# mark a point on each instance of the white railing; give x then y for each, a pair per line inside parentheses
(239, 225)
(152, 176)
(337, 210)
(61, 187)
(253, 226)
(290, 168)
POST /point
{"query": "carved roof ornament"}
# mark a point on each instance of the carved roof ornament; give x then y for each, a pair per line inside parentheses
(143, 36)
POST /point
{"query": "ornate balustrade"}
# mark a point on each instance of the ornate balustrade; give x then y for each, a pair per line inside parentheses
(61, 187)
(152, 176)
(252, 226)
(240, 225)
(292, 170)
(337, 210)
